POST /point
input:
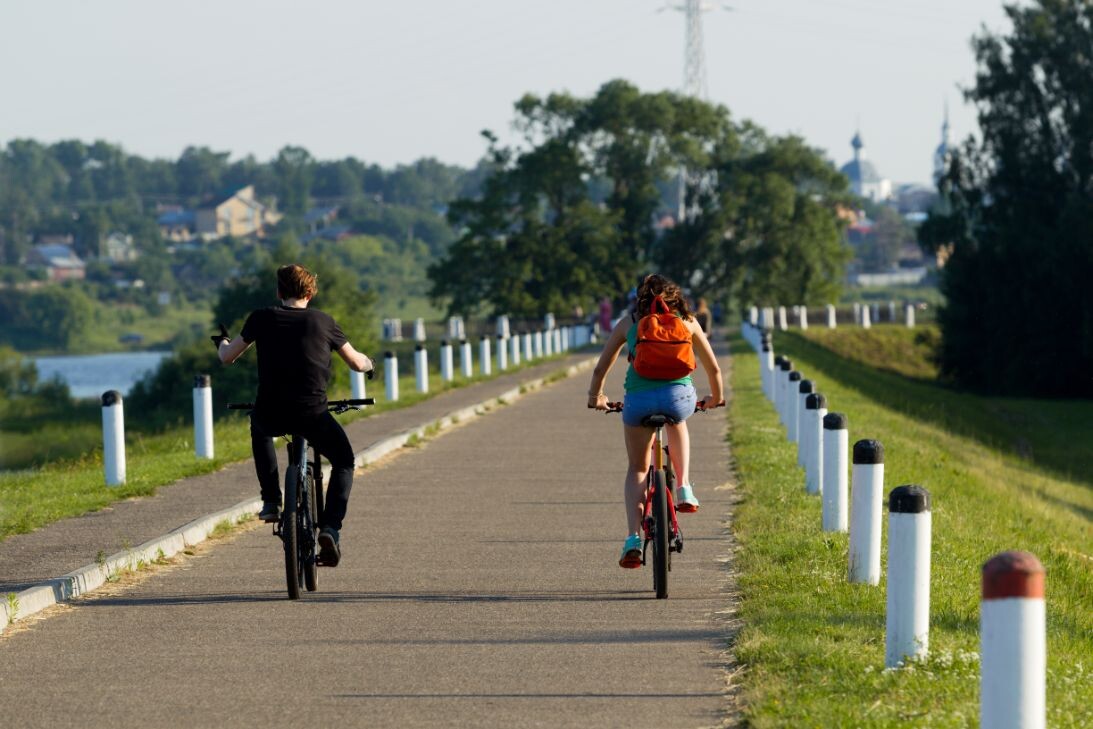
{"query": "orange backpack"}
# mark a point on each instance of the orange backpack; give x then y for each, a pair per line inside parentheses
(663, 350)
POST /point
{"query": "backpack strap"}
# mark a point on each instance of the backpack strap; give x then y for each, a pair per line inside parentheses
(659, 300)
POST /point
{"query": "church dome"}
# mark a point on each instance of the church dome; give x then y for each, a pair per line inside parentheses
(860, 170)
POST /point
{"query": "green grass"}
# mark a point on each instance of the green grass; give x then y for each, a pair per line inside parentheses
(908, 352)
(33, 498)
(812, 645)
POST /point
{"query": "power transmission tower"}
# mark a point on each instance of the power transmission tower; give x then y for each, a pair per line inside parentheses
(694, 67)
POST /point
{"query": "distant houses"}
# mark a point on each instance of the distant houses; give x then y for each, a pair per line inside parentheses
(59, 261)
(235, 212)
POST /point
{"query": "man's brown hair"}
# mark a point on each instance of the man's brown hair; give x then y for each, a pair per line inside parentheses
(296, 282)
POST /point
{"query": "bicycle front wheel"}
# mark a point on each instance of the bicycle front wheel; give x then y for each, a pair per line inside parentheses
(290, 533)
(661, 534)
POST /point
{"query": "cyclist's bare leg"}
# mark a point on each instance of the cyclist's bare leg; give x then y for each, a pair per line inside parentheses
(679, 447)
(639, 440)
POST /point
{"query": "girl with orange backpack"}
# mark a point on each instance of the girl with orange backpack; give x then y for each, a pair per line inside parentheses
(663, 338)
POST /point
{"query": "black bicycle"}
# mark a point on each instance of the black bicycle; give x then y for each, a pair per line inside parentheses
(298, 527)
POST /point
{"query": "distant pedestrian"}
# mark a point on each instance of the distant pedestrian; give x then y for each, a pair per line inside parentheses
(606, 312)
(717, 312)
(703, 316)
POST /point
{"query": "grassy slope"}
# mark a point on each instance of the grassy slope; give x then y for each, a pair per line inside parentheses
(814, 644)
(907, 352)
(31, 499)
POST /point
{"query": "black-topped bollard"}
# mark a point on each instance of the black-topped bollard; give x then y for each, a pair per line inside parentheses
(834, 468)
(866, 491)
(113, 438)
(804, 389)
(908, 618)
(793, 399)
(811, 442)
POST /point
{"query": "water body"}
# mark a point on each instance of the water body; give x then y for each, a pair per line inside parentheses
(90, 375)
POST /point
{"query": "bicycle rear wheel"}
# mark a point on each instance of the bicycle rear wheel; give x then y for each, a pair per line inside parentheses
(661, 534)
(290, 533)
(309, 533)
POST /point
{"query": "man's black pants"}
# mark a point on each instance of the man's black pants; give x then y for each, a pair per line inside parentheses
(326, 435)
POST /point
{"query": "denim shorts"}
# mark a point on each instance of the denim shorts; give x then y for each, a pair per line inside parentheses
(675, 400)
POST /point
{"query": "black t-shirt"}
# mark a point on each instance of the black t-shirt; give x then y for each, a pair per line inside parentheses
(294, 347)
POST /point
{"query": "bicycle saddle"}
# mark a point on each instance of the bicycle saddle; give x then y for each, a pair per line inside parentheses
(656, 421)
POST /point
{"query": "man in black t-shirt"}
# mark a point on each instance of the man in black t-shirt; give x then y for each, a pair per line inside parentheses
(294, 346)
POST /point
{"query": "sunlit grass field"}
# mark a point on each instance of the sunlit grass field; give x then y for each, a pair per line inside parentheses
(1003, 474)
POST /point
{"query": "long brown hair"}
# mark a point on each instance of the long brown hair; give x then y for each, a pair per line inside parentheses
(656, 285)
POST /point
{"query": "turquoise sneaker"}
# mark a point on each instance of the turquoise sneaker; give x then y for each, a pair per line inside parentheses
(686, 503)
(631, 552)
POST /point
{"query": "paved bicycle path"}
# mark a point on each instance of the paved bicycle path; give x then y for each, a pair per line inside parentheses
(479, 587)
(68, 544)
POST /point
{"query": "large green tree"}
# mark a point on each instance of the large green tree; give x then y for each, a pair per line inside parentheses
(571, 213)
(1017, 211)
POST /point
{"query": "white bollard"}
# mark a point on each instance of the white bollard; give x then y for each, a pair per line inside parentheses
(793, 397)
(753, 315)
(538, 341)
(781, 385)
(357, 390)
(875, 314)
(390, 376)
(782, 318)
(766, 367)
(802, 317)
(866, 323)
(812, 440)
(775, 374)
(1013, 651)
(514, 350)
(203, 416)
(419, 330)
(502, 354)
(909, 315)
(548, 322)
(528, 353)
(447, 371)
(548, 342)
(503, 326)
(421, 367)
(892, 311)
(907, 631)
(804, 389)
(113, 438)
(557, 341)
(830, 316)
(466, 360)
(857, 313)
(396, 330)
(866, 490)
(484, 354)
(834, 468)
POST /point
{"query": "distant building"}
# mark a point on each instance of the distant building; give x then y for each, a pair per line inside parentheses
(865, 181)
(318, 218)
(118, 247)
(331, 233)
(944, 150)
(175, 224)
(59, 261)
(236, 213)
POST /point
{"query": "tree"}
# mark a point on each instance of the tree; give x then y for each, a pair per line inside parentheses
(1016, 213)
(572, 213)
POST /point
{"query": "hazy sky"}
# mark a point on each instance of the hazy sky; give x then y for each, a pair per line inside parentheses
(392, 81)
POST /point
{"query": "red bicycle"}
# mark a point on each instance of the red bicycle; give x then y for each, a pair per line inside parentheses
(659, 524)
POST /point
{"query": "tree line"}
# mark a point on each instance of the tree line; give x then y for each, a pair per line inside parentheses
(1016, 219)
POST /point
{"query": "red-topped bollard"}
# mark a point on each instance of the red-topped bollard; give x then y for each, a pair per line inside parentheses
(1012, 653)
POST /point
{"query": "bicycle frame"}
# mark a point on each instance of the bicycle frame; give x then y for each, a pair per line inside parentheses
(660, 461)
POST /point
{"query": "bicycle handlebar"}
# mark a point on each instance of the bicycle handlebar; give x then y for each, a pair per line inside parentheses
(339, 406)
(616, 407)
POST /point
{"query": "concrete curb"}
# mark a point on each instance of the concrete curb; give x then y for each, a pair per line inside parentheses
(91, 577)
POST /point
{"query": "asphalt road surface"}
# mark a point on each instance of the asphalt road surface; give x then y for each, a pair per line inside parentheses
(479, 586)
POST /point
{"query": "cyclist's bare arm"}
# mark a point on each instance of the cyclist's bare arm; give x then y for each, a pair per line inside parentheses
(357, 362)
(705, 355)
(611, 348)
(233, 350)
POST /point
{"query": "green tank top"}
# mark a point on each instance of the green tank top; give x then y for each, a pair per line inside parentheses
(637, 383)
